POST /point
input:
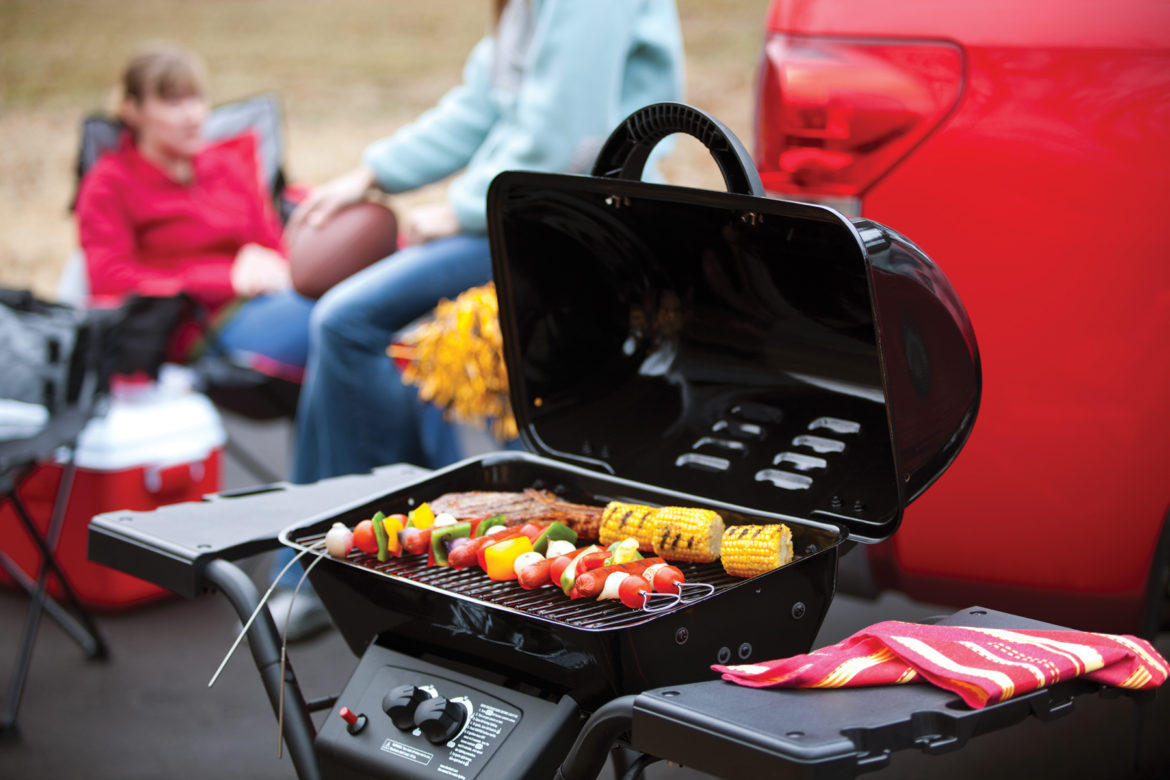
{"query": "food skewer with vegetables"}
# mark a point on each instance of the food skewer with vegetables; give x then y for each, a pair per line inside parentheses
(539, 552)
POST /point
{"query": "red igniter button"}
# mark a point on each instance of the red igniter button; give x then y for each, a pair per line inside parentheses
(354, 722)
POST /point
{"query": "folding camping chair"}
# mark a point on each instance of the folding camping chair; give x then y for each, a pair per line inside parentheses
(58, 361)
(230, 386)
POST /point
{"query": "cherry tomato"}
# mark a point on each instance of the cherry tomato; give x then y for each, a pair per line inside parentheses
(668, 579)
(557, 566)
(364, 538)
(631, 589)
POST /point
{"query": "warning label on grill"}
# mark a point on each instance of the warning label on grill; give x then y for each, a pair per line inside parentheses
(488, 726)
(490, 722)
(395, 748)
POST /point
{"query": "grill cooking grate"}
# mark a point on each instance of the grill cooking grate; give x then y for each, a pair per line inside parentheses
(547, 603)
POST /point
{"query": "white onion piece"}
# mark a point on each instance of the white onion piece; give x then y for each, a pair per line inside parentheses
(338, 540)
(651, 571)
(612, 583)
(445, 518)
(524, 560)
(560, 547)
(496, 529)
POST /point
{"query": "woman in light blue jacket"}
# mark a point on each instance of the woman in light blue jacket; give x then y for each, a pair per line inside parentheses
(541, 92)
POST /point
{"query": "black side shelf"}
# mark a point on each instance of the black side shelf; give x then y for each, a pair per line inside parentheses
(735, 731)
(172, 545)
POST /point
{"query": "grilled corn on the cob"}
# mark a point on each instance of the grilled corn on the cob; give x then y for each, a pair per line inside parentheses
(685, 534)
(748, 550)
(621, 521)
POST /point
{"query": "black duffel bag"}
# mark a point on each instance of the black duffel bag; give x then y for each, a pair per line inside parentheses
(59, 356)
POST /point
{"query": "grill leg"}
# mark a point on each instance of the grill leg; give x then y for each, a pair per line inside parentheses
(264, 642)
(587, 756)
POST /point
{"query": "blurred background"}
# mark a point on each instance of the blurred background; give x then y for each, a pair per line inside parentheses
(347, 72)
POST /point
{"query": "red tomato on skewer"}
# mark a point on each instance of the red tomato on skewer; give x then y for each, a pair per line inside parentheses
(364, 538)
(631, 590)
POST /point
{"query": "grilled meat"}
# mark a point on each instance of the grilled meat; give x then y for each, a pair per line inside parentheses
(530, 505)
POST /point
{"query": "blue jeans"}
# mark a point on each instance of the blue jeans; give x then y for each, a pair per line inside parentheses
(355, 413)
(270, 333)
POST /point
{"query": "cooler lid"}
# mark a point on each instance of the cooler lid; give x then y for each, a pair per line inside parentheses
(154, 427)
(759, 352)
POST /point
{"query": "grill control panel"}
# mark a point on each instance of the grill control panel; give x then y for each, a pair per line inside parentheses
(419, 720)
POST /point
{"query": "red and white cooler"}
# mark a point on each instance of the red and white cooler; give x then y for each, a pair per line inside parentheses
(155, 445)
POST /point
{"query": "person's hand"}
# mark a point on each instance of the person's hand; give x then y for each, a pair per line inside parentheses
(426, 223)
(258, 270)
(327, 199)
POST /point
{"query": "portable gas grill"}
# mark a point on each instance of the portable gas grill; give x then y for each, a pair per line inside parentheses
(770, 360)
(670, 346)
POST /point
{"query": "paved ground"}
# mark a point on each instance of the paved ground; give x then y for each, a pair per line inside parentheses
(146, 712)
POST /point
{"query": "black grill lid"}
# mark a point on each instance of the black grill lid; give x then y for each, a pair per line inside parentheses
(764, 353)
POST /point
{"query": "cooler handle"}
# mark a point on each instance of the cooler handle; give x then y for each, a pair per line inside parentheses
(168, 480)
(623, 156)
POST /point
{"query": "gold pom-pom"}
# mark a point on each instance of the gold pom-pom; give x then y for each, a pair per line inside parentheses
(456, 360)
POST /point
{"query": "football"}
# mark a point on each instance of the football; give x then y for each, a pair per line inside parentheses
(352, 239)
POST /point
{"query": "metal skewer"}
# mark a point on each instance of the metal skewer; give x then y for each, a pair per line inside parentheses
(255, 612)
(284, 654)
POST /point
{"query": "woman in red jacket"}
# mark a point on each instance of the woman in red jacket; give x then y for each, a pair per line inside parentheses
(167, 212)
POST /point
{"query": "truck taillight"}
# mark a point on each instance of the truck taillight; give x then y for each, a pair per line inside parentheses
(834, 115)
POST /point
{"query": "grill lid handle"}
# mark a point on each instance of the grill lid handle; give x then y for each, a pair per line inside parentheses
(625, 151)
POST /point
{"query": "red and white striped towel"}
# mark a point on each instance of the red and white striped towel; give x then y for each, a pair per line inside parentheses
(982, 665)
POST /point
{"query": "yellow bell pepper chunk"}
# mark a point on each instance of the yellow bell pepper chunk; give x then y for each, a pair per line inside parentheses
(625, 551)
(500, 559)
(393, 524)
(423, 517)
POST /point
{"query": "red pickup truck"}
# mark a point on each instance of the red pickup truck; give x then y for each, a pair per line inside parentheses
(1026, 148)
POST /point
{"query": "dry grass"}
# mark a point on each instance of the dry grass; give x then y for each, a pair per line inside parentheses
(347, 71)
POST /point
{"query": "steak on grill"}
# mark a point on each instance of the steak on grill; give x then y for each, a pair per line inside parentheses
(531, 505)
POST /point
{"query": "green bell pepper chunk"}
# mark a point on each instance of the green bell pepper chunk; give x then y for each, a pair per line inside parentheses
(440, 537)
(554, 532)
(488, 523)
(380, 535)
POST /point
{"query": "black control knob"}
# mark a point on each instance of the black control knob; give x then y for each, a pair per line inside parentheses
(400, 704)
(440, 719)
